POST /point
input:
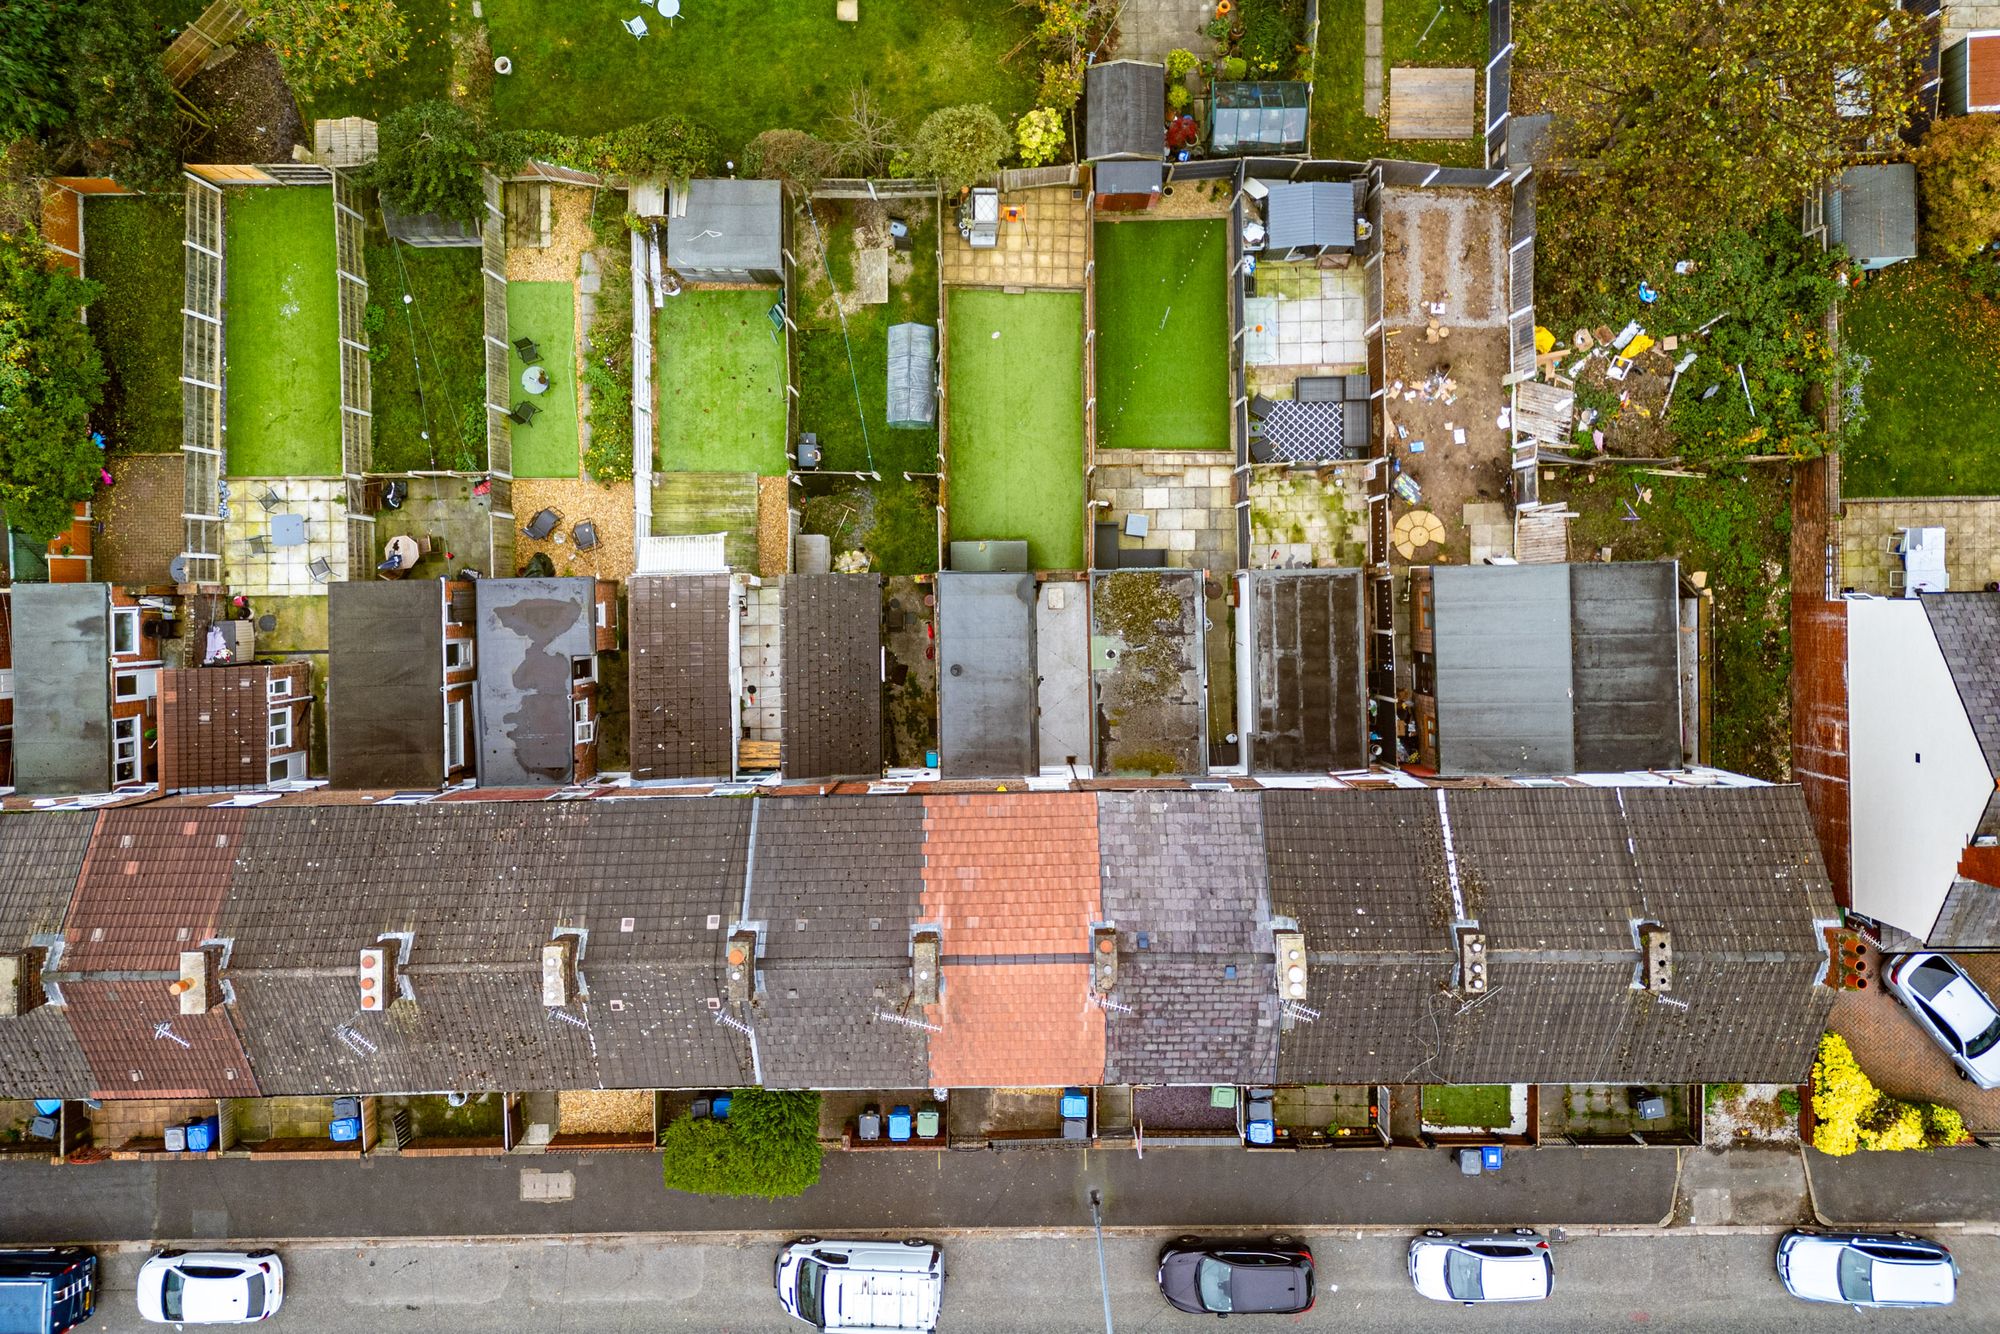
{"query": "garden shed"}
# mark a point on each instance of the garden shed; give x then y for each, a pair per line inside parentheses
(1267, 117)
(1872, 210)
(1306, 218)
(727, 231)
(1125, 111)
(913, 376)
(428, 229)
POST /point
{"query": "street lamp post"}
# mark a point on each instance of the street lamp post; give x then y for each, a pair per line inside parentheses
(1103, 1277)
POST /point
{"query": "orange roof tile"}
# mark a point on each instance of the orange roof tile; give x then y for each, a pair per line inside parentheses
(1012, 874)
(1014, 1026)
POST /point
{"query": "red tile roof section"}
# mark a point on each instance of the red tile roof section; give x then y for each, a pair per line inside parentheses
(140, 1045)
(151, 887)
(1008, 876)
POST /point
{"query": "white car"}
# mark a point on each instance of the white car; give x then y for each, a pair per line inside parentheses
(211, 1287)
(1954, 1009)
(1473, 1267)
(1867, 1269)
(893, 1287)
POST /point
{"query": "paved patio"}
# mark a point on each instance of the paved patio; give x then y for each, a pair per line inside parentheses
(1971, 543)
(1305, 320)
(1901, 1057)
(763, 710)
(456, 521)
(1148, 29)
(1298, 521)
(320, 501)
(138, 526)
(1185, 497)
(1047, 245)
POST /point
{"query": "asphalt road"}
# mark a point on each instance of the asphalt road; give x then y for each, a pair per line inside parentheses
(1037, 1284)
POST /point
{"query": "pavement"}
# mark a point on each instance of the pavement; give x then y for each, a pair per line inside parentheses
(610, 1193)
(1942, 1186)
(1037, 1284)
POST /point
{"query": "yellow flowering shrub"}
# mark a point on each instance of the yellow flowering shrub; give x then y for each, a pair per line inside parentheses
(1851, 1113)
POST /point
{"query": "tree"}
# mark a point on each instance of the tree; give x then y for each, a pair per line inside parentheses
(958, 145)
(431, 158)
(768, 1147)
(791, 156)
(1040, 135)
(1959, 164)
(865, 138)
(51, 377)
(324, 44)
(1677, 116)
(83, 78)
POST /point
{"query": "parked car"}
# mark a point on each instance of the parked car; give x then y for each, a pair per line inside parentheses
(1954, 1009)
(211, 1287)
(46, 1291)
(893, 1286)
(1474, 1267)
(1867, 1269)
(1273, 1276)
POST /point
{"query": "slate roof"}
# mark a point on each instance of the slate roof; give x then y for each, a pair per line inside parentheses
(1967, 626)
(385, 678)
(1128, 176)
(1309, 677)
(214, 727)
(40, 856)
(832, 671)
(1125, 110)
(1873, 212)
(62, 688)
(728, 224)
(986, 680)
(682, 705)
(528, 632)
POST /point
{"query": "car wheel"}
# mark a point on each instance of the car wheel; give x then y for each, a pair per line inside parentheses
(1432, 1232)
(807, 1241)
(1961, 1074)
(169, 1255)
(265, 1254)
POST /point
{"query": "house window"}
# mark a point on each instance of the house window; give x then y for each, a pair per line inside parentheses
(457, 654)
(277, 687)
(281, 729)
(124, 630)
(583, 670)
(454, 734)
(134, 685)
(288, 767)
(584, 726)
(6, 683)
(603, 614)
(125, 750)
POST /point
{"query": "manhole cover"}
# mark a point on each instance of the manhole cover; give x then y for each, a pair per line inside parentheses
(547, 1187)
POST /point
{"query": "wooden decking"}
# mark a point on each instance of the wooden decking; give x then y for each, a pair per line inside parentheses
(1433, 103)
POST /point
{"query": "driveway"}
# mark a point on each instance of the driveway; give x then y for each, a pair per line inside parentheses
(1901, 1057)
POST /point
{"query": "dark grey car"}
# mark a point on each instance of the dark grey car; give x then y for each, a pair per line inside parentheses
(1272, 1276)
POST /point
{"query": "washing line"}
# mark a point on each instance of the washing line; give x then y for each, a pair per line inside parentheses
(853, 377)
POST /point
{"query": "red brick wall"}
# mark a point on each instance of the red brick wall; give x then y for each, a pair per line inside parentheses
(1819, 675)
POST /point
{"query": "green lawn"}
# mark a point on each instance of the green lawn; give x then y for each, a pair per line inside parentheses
(720, 370)
(546, 314)
(1456, 40)
(744, 66)
(133, 247)
(430, 378)
(1484, 1105)
(1163, 335)
(425, 74)
(1015, 401)
(1931, 392)
(283, 326)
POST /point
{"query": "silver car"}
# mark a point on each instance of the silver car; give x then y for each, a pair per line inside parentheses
(1473, 1267)
(1867, 1269)
(1957, 1013)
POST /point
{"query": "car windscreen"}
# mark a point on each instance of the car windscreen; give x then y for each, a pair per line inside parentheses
(1462, 1276)
(1932, 976)
(254, 1305)
(1212, 1277)
(170, 1294)
(812, 1290)
(1856, 1276)
(1984, 1042)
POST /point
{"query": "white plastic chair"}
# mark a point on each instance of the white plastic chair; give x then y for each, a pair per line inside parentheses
(636, 25)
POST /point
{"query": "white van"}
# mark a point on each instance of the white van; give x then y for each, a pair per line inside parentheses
(893, 1287)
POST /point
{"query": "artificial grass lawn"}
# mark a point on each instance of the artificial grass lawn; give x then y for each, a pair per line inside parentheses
(133, 247)
(1339, 129)
(1015, 402)
(1932, 398)
(1484, 1105)
(1162, 335)
(545, 313)
(425, 74)
(282, 322)
(741, 67)
(431, 376)
(719, 371)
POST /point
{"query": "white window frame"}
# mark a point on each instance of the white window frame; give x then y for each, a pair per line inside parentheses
(145, 684)
(582, 725)
(458, 655)
(603, 615)
(278, 731)
(590, 675)
(277, 687)
(124, 622)
(127, 764)
(455, 723)
(287, 768)
(6, 683)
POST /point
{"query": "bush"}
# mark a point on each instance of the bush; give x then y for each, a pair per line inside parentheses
(51, 378)
(1234, 68)
(1959, 164)
(1177, 97)
(959, 145)
(1181, 63)
(432, 159)
(83, 78)
(664, 146)
(1040, 135)
(769, 1147)
(1851, 1113)
(1273, 31)
(324, 44)
(791, 156)
(1714, 1095)
(1788, 1102)
(1062, 84)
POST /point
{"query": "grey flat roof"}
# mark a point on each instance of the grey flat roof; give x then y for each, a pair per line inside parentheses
(729, 224)
(1557, 669)
(986, 675)
(1129, 177)
(528, 632)
(1125, 110)
(1874, 211)
(385, 678)
(1309, 689)
(1309, 213)
(62, 688)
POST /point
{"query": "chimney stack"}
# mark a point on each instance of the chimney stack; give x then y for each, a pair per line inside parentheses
(1656, 957)
(1103, 959)
(926, 956)
(1291, 948)
(200, 984)
(1472, 975)
(21, 982)
(559, 972)
(378, 975)
(742, 967)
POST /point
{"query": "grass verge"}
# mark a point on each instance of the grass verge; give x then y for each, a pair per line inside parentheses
(1484, 1105)
(133, 247)
(428, 385)
(283, 332)
(720, 371)
(1162, 335)
(545, 313)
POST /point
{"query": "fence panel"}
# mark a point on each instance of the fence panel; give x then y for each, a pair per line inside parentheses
(493, 274)
(219, 25)
(357, 444)
(202, 381)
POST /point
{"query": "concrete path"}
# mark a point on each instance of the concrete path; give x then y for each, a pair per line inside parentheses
(1044, 1284)
(1006, 1189)
(1945, 1186)
(1743, 1188)
(1371, 70)
(1148, 29)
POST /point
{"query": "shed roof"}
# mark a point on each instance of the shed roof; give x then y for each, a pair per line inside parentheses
(1129, 177)
(986, 677)
(1125, 110)
(682, 704)
(385, 677)
(528, 633)
(62, 688)
(728, 224)
(1309, 213)
(832, 675)
(1309, 689)
(1873, 212)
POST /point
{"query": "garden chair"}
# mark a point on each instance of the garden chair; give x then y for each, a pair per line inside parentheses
(528, 351)
(636, 25)
(584, 534)
(260, 545)
(524, 414)
(269, 499)
(542, 524)
(1260, 406)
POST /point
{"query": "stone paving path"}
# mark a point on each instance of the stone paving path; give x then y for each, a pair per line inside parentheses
(1045, 244)
(1148, 29)
(1185, 496)
(1971, 547)
(1371, 70)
